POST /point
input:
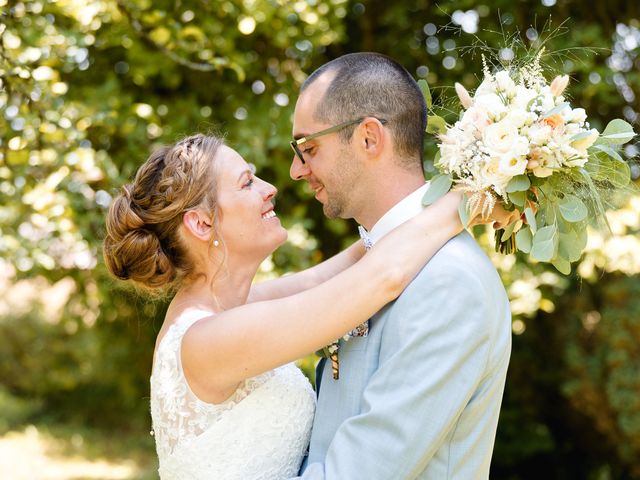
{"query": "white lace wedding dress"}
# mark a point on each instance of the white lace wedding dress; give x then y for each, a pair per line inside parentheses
(261, 432)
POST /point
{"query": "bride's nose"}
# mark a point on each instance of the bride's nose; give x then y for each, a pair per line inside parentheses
(268, 191)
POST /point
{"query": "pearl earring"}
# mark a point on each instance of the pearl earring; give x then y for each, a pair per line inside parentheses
(216, 243)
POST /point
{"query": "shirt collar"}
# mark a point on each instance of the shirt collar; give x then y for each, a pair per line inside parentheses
(402, 211)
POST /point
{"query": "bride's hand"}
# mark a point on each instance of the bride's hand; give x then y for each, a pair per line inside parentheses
(499, 216)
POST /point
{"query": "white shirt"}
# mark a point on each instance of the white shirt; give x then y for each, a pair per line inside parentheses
(407, 208)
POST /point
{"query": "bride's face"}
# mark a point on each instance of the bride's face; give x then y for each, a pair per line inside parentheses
(246, 218)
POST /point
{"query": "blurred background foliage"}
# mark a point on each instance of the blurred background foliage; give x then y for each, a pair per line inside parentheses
(88, 87)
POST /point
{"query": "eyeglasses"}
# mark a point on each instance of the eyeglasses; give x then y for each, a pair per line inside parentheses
(295, 144)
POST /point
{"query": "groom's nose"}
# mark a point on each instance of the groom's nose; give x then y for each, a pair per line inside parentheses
(298, 170)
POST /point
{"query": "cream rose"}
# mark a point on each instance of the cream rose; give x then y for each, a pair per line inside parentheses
(503, 138)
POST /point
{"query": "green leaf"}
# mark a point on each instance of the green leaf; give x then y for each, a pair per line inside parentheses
(463, 211)
(426, 92)
(436, 125)
(620, 174)
(580, 136)
(439, 185)
(573, 209)
(606, 167)
(508, 231)
(606, 149)
(524, 239)
(547, 213)
(517, 198)
(519, 183)
(436, 157)
(569, 246)
(545, 244)
(554, 110)
(595, 196)
(562, 265)
(531, 220)
(618, 132)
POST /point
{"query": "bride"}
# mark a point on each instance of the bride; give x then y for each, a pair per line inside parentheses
(226, 401)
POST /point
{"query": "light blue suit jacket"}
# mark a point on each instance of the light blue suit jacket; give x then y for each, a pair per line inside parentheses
(419, 397)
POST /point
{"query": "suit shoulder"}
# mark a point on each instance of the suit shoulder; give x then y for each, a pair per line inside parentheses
(460, 254)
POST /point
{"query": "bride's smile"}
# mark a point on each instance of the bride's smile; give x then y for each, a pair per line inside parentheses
(247, 220)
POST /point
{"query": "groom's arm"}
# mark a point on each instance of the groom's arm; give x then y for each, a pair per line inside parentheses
(434, 354)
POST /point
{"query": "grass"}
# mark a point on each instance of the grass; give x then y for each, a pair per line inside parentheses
(66, 452)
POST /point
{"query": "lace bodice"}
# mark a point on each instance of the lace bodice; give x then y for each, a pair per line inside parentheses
(260, 432)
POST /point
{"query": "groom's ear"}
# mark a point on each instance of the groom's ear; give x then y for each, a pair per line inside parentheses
(198, 224)
(373, 137)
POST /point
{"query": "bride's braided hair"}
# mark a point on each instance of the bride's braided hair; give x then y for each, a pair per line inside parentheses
(143, 242)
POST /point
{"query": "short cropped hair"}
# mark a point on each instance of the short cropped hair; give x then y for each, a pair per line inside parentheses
(372, 84)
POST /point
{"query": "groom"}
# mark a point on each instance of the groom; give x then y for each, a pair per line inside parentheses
(420, 385)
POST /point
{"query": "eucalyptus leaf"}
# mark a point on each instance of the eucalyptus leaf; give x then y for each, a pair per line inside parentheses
(562, 265)
(547, 213)
(572, 208)
(545, 243)
(606, 149)
(531, 220)
(519, 183)
(436, 125)
(618, 132)
(595, 196)
(569, 246)
(508, 231)
(517, 198)
(436, 157)
(463, 211)
(620, 174)
(524, 239)
(426, 92)
(610, 169)
(439, 185)
(580, 136)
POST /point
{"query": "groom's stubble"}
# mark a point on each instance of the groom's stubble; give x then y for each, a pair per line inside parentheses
(343, 184)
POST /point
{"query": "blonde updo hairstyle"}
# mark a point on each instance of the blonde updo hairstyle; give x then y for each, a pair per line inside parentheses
(143, 241)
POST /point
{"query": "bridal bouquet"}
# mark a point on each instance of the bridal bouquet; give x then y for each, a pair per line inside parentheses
(519, 142)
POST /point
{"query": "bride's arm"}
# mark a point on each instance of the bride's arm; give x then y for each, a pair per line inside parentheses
(297, 282)
(306, 279)
(220, 351)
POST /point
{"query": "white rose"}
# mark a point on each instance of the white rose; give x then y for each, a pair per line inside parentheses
(503, 138)
(511, 165)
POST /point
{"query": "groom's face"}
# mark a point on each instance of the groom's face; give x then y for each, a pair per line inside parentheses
(329, 167)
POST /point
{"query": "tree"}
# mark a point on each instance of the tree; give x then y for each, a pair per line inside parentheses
(88, 88)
